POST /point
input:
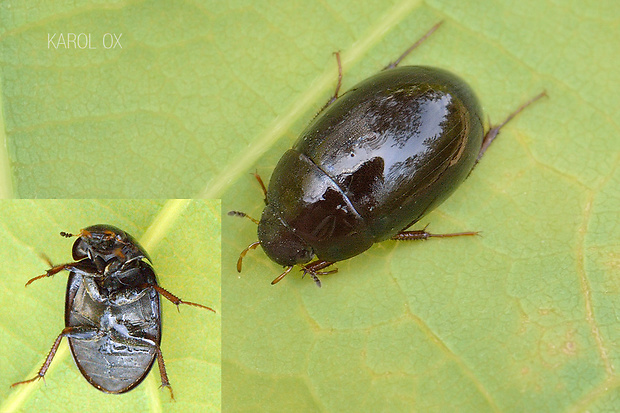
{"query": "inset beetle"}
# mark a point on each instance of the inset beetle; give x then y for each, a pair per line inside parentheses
(112, 311)
(372, 163)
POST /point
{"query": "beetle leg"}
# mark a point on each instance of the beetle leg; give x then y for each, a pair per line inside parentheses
(131, 341)
(317, 265)
(338, 85)
(315, 278)
(80, 333)
(262, 185)
(313, 269)
(162, 371)
(494, 130)
(284, 274)
(93, 290)
(413, 46)
(334, 271)
(252, 246)
(422, 234)
(173, 298)
(83, 267)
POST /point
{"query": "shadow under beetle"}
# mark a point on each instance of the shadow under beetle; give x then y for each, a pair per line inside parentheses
(372, 163)
(112, 311)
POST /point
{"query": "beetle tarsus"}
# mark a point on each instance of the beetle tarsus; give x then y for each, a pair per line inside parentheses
(169, 387)
(162, 371)
(338, 85)
(37, 377)
(38, 277)
(424, 235)
(314, 270)
(316, 279)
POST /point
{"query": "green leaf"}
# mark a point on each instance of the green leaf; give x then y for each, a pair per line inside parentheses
(182, 238)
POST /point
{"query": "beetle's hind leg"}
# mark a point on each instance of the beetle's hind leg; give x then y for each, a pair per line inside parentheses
(338, 85)
(494, 130)
(422, 234)
(413, 46)
(391, 65)
(133, 341)
(79, 333)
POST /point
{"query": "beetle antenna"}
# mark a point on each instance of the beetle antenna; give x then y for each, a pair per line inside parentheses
(242, 215)
(67, 234)
(284, 274)
(252, 246)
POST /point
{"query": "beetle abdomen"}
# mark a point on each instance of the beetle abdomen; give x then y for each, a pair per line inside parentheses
(110, 363)
(397, 144)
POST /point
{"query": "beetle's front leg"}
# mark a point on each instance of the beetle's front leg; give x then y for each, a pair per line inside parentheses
(84, 267)
(79, 333)
(314, 270)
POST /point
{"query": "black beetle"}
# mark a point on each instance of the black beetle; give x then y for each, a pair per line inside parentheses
(112, 311)
(371, 164)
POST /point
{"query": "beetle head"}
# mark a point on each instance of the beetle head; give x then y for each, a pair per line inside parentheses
(105, 242)
(279, 242)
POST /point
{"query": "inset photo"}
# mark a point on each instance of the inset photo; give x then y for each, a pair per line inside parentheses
(128, 289)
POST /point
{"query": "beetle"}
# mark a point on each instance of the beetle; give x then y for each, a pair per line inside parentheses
(112, 310)
(372, 163)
